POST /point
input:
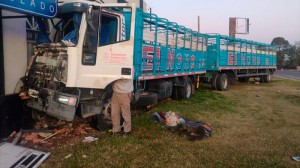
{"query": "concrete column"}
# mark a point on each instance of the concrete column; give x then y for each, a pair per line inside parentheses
(14, 50)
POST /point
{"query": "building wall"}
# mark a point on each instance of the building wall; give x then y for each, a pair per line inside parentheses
(14, 50)
(139, 3)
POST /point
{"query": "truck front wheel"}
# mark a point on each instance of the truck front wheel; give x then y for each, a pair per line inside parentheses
(103, 121)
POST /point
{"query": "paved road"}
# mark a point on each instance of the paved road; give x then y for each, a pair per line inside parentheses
(291, 74)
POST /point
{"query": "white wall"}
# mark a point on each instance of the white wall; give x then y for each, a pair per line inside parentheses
(14, 49)
(137, 2)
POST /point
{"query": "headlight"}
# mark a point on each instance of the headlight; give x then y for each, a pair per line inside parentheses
(33, 93)
(68, 100)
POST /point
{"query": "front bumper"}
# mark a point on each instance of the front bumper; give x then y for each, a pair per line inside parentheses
(60, 105)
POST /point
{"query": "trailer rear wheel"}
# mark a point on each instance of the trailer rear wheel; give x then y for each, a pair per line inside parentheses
(231, 78)
(175, 93)
(213, 82)
(266, 78)
(222, 82)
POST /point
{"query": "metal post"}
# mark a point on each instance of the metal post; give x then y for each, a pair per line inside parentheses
(198, 24)
(297, 59)
(142, 4)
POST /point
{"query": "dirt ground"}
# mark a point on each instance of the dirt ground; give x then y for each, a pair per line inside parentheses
(49, 133)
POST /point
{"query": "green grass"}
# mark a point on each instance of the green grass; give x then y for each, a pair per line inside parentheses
(278, 80)
(248, 131)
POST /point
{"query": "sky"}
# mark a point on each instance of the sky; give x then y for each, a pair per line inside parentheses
(268, 18)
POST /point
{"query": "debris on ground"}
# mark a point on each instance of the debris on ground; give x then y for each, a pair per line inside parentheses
(17, 156)
(89, 139)
(48, 133)
(68, 156)
(296, 158)
(17, 137)
(183, 126)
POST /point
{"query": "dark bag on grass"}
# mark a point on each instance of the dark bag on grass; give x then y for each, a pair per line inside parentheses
(197, 130)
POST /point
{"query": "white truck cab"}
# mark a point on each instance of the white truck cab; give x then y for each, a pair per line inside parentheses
(89, 46)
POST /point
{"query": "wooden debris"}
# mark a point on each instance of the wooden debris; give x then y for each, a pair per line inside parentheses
(18, 136)
(50, 136)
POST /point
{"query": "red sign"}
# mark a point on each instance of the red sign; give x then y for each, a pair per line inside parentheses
(232, 59)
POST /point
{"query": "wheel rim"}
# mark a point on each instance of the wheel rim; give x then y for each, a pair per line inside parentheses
(107, 110)
(188, 90)
(269, 77)
(225, 83)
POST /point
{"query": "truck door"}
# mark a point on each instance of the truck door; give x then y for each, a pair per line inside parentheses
(108, 46)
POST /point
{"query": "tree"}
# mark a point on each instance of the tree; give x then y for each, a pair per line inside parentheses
(297, 44)
(280, 59)
(292, 59)
(282, 47)
(280, 42)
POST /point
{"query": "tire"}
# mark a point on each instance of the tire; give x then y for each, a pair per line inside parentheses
(185, 92)
(222, 82)
(265, 78)
(261, 79)
(147, 98)
(163, 88)
(103, 121)
(213, 82)
(231, 79)
(243, 79)
(175, 94)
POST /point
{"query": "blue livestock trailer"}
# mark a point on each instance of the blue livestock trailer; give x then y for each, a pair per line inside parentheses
(230, 58)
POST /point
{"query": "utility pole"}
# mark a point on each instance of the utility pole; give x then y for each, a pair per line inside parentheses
(297, 59)
(232, 27)
(198, 24)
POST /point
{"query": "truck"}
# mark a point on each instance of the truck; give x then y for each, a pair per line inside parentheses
(89, 45)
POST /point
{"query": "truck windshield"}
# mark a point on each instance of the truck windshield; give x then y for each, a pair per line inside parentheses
(61, 29)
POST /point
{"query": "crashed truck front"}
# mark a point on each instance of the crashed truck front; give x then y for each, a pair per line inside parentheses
(64, 74)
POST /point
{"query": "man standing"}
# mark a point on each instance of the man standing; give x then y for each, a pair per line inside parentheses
(120, 105)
